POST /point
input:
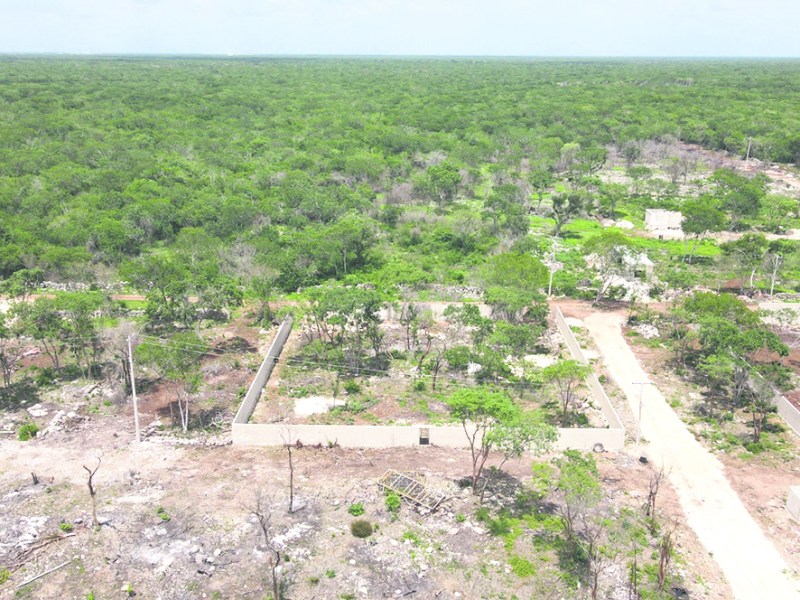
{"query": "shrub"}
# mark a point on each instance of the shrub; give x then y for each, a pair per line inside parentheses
(5, 574)
(163, 514)
(356, 509)
(330, 573)
(66, 527)
(521, 567)
(361, 528)
(392, 502)
(351, 387)
(27, 432)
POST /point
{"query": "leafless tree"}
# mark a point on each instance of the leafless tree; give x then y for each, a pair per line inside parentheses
(665, 547)
(262, 511)
(652, 493)
(93, 492)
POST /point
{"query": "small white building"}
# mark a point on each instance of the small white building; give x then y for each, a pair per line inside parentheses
(658, 219)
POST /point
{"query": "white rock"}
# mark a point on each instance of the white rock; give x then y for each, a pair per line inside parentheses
(37, 410)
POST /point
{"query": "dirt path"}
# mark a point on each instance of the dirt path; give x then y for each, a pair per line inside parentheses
(750, 562)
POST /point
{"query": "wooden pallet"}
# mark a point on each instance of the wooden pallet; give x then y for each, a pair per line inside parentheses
(409, 487)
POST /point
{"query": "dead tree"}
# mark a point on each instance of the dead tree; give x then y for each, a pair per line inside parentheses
(291, 479)
(263, 513)
(652, 493)
(93, 492)
(665, 546)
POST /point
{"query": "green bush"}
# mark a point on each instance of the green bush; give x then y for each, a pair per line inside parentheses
(163, 514)
(521, 567)
(356, 509)
(27, 432)
(351, 386)
(66, 527)
(393, 502)
(361, 528)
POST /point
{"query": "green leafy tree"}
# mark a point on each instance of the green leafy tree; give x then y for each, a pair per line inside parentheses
(740, 196)
(701, 216)
(166, 283)
(491, 420)
(42, 321)
(749, 251)
(177, 361)
(11, 348)
(566, 207)
(775, 259)
(348, 318)
(566, 376)
(441, 182)
(609, 249)
(777, 212)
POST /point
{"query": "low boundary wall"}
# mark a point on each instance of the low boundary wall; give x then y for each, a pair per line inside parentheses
(248, 405)
(387, 436)
(391, 436)
(600, 396)
(788, 413)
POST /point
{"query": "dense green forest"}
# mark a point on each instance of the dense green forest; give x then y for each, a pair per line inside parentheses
(228, 173)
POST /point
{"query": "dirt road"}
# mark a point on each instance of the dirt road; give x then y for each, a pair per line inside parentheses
(750, 562)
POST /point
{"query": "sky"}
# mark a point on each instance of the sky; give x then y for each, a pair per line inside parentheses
(736, 28)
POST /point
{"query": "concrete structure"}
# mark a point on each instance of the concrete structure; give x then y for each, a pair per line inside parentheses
(793, 502)
(657, 219)
(387, 436)
(250, 400)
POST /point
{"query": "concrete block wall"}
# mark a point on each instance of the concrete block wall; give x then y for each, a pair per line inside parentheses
(389, 436)
(599, 394)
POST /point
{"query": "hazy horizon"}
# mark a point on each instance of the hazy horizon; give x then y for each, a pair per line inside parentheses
(399, 28)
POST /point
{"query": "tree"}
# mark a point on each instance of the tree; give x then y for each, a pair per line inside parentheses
(761, 404)
(262, 511)
(22, 283)
(774, 259)
(491, 420)
(177, 360)
(739, 195)
(348, 318)
(701, 216)
(777, 212)
(541, 180)
(749, 252)
(441, 182)
(526, 432)
(166, 283)
(511, 269)
(610, 195)
(80, 329)
(609, 249)
(42, 321)
(566, 376)
(11, 349)
(565, 208)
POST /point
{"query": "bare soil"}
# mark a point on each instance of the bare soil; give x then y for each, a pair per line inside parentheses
(177, 522)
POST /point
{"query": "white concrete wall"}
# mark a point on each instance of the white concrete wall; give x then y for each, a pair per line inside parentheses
(793, 502)
(250, 400)
(393, 436)
(658, 219)
(600, 396)
(788, 413)
(436, 309)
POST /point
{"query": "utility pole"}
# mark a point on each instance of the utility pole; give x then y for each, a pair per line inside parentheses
(133, 390)
(641, 385)
(747, 158)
